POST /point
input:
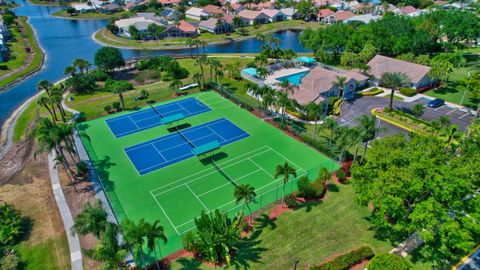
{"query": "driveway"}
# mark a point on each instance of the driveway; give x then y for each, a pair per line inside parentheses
(353, 109)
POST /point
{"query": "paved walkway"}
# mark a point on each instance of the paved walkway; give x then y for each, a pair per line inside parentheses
(407, 246)
(73, 241)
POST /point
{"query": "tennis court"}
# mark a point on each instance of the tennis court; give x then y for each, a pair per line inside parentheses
(163, 151)
(152, 117)
(165, 172)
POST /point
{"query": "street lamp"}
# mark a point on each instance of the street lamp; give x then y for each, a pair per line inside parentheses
(295, 262)
(468, 88)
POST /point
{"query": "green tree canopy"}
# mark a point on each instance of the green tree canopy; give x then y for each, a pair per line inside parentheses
(108, 58)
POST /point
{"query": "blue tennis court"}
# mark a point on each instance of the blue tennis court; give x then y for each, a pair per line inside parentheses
(163, 151)
(148, 118)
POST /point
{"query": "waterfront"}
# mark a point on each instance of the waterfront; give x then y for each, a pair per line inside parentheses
(64, 40)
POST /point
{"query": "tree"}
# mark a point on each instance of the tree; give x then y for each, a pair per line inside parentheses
(367, 130)
(413, 185)
(418, 110)
(284, 170)
(134, 236)
(108, 58)
(394, 81)
(440, 71)
(120, 88)
(133, 31)
(44, 85)
(198, 78)
(388, 261)
(82, 64)
(175, 86)
(314, 111)
(190, 43)
(245, 193)
(44, 101)
(109, 251)
(201, 61)
(154, 232)
(10, 225)
(345, 138)
(283, 101)
(332, 126)
(71, 11)
(216, 238)
(92, 219)
(340, 84)
(262, 72)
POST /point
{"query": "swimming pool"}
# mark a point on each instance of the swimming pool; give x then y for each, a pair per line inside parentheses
(294, 79)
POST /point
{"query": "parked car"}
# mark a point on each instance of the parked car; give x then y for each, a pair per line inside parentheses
(436, 103)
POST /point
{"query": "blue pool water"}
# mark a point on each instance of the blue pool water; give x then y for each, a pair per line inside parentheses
(294, 79)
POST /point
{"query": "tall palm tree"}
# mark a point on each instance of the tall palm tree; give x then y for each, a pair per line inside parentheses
(332, 125)
(134, 236)
(284, 170)
(451, 138)
(245, 193)
(215, 64)
(262, 72)
(201, 61)
(44, 101)
(340, 84)
(44, 85)
(367, 131)
(70, 70)
(119, 90)
(283, 101)
(198, 78)
(175, 86)
(81, 64)
(314, 111)
(345, 138)
(190, 43)
(268, 97)
(154, 231)
(109, 251)
(92, 219)
(394, 81)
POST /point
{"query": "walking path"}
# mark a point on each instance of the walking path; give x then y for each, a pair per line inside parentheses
(407, 246)
(73, 240)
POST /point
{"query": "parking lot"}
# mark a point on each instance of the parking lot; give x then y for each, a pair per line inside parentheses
(353, 109)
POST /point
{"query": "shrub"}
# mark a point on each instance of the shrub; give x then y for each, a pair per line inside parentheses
(304, 187)
(10, 225)
(324, 174)
(418, 110)
(107, 108)
(318, 187)
(10, 261)
(388, 262)
(116, 106)
(341, 175)
(290, 201)
(409, 92)
(3, 67)
(336, 107)
(100, 75)
(347, 260)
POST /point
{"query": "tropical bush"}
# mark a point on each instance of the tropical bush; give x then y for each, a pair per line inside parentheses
(409, 92)
(290, 201)
(341, 175)
(10, 225)
(100, 75)
(318, 187)
(217, 237)
(10, 261)
(347, 260)
(337, 106)
(116, 105)
(418, 110)
(111, 84)
(108, 108)
(304, 187)
(388, 262)
(372, 92)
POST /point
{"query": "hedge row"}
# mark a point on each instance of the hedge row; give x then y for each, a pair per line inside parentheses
(347, 260)
(372, 92)
(389, 262)
(317, 145)
(409, 92)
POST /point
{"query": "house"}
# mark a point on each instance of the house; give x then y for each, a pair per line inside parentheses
(181, 30)
(418, 75)
(170, 14)
(325, 15)
(406, 10)
(259, 6)
(140, 23)
(319, 84)
(274, 15)
(195, 13)
(290, 13)
(342, 15)
(250, 17)
(236, 8)
(212, 10)
(110, 8)
(82, 8)
(169, 3)
(216, 26)
(366, 18)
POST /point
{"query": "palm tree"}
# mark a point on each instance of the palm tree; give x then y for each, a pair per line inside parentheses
(268, 97)
(283, 101)
(215, 64)
(44, 85)
(117, 89)
(285, 170)
(198, 78)
(190, 43)
(81, 64)
(314, 111)
(134, 235)
(451, 138)
(70, 70)
(262, 72)
(245, 193)
(367, 131)
(109, 251)
(154, 231)
(44, 101)
(340, 84)
(393, 81)
(92, 219)
(201, 61)
(332, 125)
(345, 138)
(175, 86)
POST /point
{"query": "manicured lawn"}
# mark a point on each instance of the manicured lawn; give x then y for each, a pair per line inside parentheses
(19, 55)
(84, 16)
(106, 37)
(28, 115)
(45, 256)
(313, 233)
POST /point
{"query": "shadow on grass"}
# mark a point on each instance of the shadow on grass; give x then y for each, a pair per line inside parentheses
(189, 264)
(264, 221)
(308, 205)
(248, 252)
(331, 187)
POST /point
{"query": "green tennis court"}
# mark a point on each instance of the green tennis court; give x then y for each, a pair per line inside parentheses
(176, 193)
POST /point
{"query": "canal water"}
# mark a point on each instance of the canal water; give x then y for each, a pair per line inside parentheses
(64, 40)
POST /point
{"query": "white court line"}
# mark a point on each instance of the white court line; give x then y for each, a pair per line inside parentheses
(228, 183)
(168, 218)
(464, 115)
(287, 159)
(216, 133)
(213, 170)
(161, 139)
(158, 164)
(184, 108)
(159, 152)
(197, 197)
(261, 168)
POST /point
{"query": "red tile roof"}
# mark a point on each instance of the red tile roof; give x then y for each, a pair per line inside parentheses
(186, 27)
(408, 10)
(324, 12)
(211, 9)
(343, 15)
(169, 2)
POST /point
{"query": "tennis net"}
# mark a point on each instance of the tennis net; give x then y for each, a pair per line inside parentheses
(155, 110)
(185, 138)
(222, 172)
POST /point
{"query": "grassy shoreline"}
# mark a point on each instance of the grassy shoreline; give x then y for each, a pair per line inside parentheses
(104, 37)
(83, 16)
(19, 48)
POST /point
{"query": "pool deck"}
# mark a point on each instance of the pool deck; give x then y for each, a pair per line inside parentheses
(272, 79)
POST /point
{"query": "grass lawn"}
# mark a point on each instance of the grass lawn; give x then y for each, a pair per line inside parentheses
(19, 54)
(84, 15)
(44, 256)
(194, 182)
(28, 115)
(313, 233)
(104, 36)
